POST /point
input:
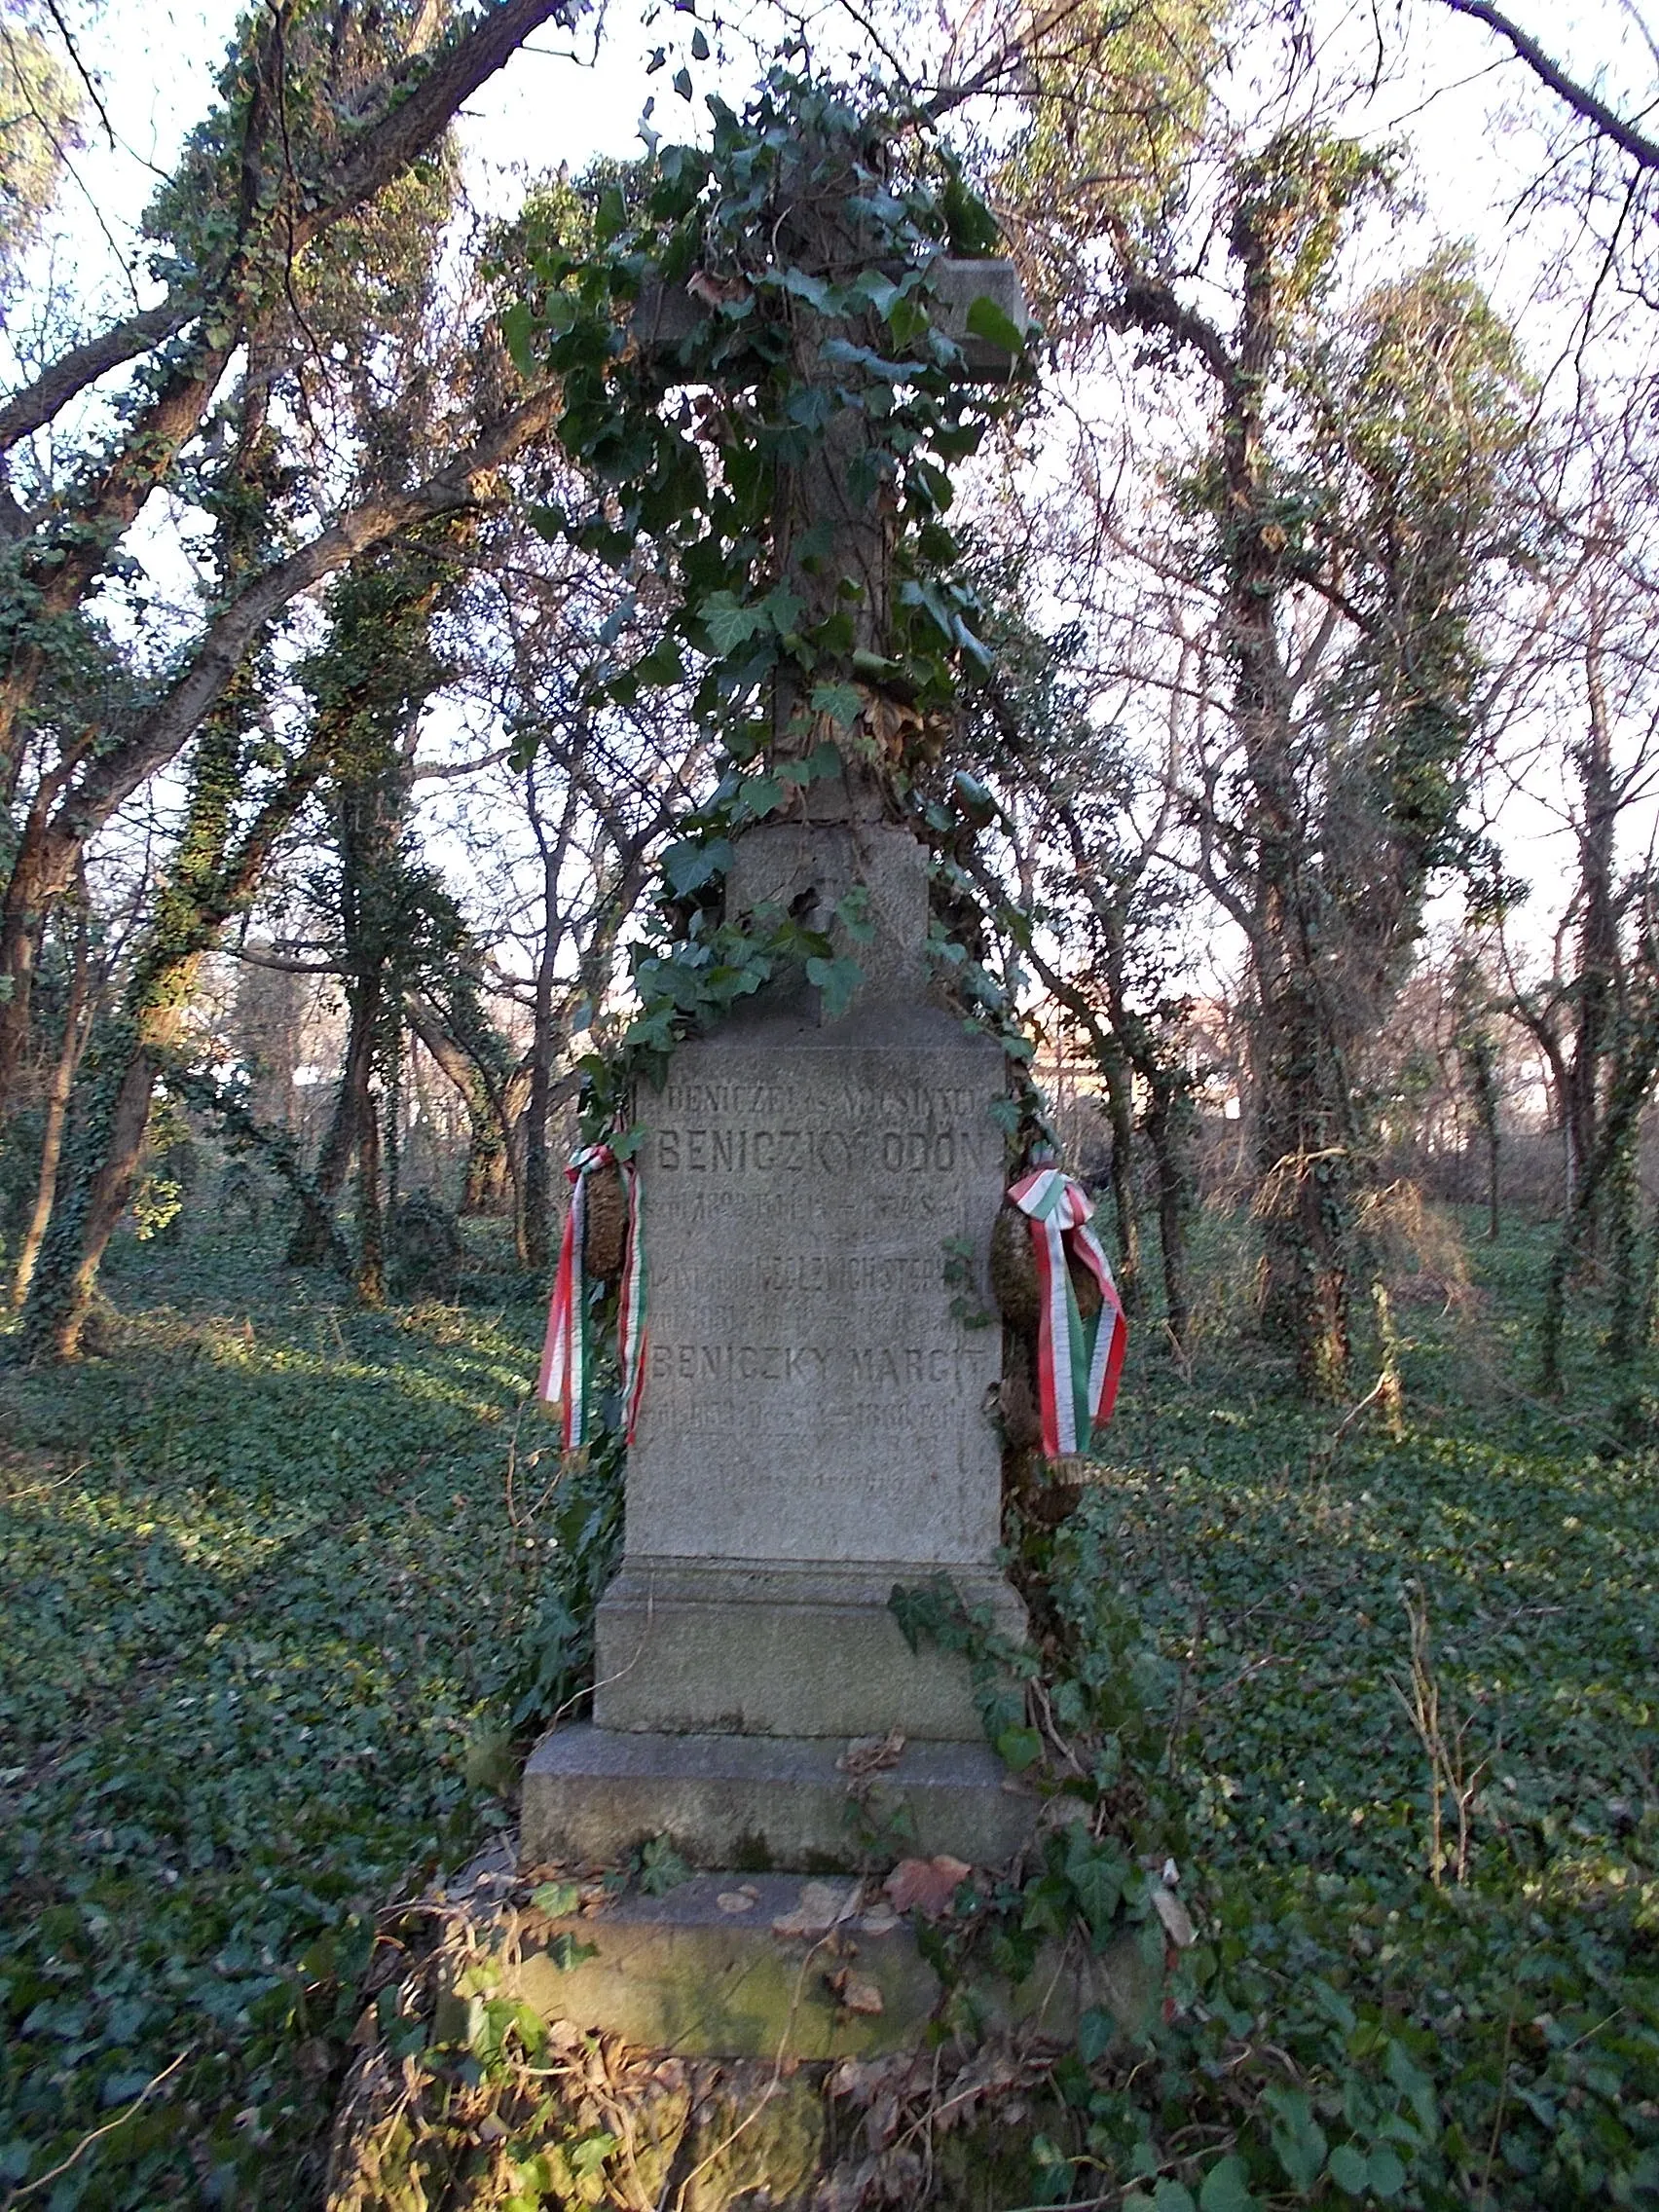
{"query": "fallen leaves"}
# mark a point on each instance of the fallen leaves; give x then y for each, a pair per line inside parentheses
(1177, 1920)
(856, 1994)
(926, 1885)
(818, 1909)
(872, 1754)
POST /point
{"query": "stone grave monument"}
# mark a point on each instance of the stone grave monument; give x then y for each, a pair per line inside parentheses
(815, 1427)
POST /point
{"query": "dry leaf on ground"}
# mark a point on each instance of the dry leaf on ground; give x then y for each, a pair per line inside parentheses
(817, 1909)
(926, 1884)
(856, 1995)
(872, 1754)
(1176, 1919)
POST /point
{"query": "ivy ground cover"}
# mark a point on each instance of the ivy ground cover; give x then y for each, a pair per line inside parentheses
(262, 1610)
(268, 1620)
(1491, 2037)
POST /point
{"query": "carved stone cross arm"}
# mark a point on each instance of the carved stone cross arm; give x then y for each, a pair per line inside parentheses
(831, 520)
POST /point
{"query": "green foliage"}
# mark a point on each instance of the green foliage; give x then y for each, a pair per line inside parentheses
(1118, 98)
(40, 106)
(698, 491)
(265, 1596)
(1227, 1639)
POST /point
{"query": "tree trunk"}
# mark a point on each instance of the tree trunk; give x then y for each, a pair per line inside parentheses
(1598, 979)
(1166, 1132)
(307, 1247)
(57, 1118)
(370, 1277)
(95, 1183)
(488, 1166)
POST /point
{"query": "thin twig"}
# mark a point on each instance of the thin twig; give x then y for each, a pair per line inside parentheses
(109, 2126)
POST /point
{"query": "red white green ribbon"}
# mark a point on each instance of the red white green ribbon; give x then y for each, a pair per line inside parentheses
(1077, 1361)
(567, 1364)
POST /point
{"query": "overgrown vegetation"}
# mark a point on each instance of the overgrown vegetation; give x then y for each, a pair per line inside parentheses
(269, 1614)
(275, 1613)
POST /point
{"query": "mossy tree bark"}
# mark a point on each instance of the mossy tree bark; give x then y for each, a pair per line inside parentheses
(266, 180)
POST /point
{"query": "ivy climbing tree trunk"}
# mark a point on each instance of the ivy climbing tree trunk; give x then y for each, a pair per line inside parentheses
(320, 110)
(76, 1017)
(1351, 477)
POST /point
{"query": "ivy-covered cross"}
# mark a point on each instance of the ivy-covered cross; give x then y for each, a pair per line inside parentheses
(772, 353)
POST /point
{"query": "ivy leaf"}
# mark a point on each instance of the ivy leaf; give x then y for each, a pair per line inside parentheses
(516, 328)
(1350, 2169)
(841, 702)
(728, 622)
(682, 83)
(1384, 2173)
(566, 1952)
(853, 914)
(878, 290)
(661, 665)
(995, 325)
(800, 286)
(811, 407)
(699, 47)
(1018, 1749)
(1298, 2139)
(688, 866)
(1096, 1874)
(757, 797)
(837, 980)
(1095, 2032)
(1226, 2187)
(555, 1898)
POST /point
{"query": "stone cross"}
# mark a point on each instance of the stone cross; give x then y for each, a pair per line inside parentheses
(815, 1424)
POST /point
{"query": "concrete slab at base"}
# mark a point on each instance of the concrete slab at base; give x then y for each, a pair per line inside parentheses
(687, 1974)
(762, 1802)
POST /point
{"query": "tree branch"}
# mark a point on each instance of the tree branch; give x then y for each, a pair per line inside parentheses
(114, 776)
(1582, 101)
(406, 122)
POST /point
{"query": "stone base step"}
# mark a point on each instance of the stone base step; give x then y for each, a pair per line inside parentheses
(772, 1966)
(764, 1802)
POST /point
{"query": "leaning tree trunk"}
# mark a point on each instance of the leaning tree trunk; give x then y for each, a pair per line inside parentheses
(95, 1183)
(56, 1120)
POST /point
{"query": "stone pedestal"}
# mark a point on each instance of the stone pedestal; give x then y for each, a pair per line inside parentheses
(814, 1425)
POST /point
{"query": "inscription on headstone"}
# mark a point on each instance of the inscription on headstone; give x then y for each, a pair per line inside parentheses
(796, 1222)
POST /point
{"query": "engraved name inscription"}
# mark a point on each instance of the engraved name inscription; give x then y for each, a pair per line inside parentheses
(870, 1367)
(734, 1150)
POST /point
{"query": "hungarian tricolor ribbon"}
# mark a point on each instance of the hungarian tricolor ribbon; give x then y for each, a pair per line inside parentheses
(1077, 1361)
(567, 1364)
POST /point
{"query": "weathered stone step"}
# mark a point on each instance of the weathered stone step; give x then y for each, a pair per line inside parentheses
(768, 1965)
(592, 1794)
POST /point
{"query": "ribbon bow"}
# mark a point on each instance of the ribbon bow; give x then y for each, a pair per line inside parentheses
(1077, 1361)
(566, 1381)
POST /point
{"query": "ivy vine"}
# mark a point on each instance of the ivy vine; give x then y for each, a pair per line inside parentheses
(747, 334)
